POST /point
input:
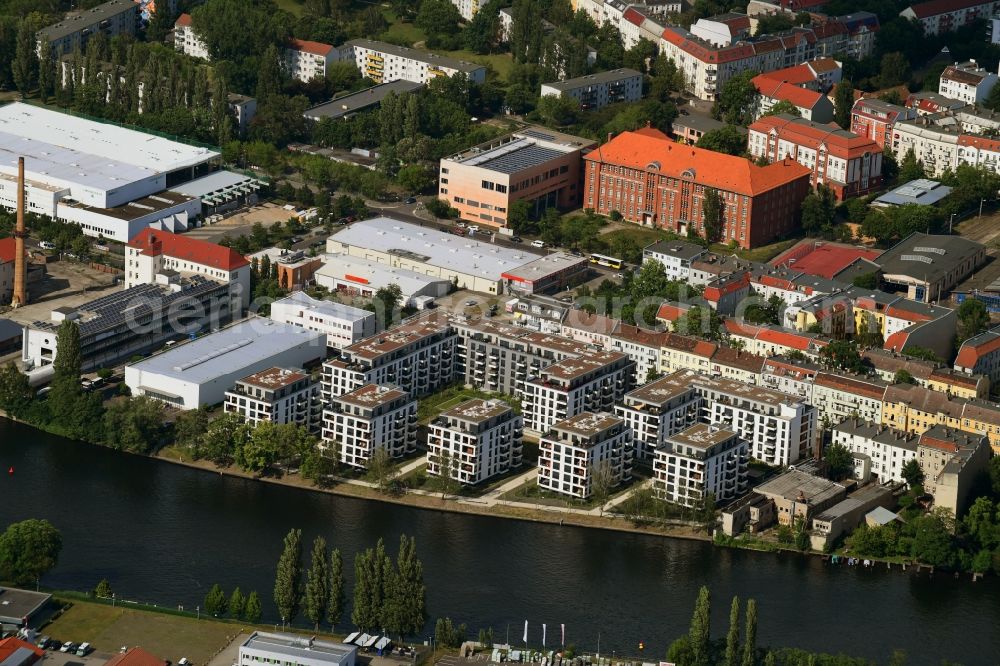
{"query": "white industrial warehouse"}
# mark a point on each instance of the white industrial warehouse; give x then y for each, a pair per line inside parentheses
(201, 371)
(110, 180)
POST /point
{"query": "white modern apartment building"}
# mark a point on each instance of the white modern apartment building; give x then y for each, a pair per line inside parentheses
(595, 91)
(656, 411)
(278, 395)
(187, 41)
(577, 449)
(474, 441)
(383, 62)
(152, 253)
(372, 417)
(878, 450)
(967, 82)
(467, 8)
(344, 325)
(700, 462)
(418, 356)
(675, 255)
(306, 60)
(116, 17)
(592, 382)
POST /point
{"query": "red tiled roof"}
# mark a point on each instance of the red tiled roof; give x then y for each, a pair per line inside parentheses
(136, 656)
(827, 260)
(317, 48)
(897, 341)
(8, 250)
(869, 389)
(786, 91)
(797, 75)
(633, 17)
(671, 312)
(980, 142)
(153, 242)
(184, 20)
(963, 75)
(823, 65)
(741, 329)
(776, 282)
(935, 7)
(706, 349)
(908, 315)
(969, 354)
(724, 172)
(653, 133)
(9, 646)
(802, 132)
(786, 339)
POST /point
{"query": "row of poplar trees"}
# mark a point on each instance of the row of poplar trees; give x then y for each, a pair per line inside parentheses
(388, 597)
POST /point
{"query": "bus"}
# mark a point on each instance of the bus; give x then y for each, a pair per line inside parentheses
(603, 260)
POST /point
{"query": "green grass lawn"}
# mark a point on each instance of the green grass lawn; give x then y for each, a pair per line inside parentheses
(456, 394)
(171, 637)
(400, 32)
(293, 6)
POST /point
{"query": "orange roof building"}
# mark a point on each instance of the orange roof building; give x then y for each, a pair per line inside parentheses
(653, 181)
(136, 656)
(848, 164)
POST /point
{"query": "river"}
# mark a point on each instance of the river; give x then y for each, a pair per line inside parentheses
(164, 534)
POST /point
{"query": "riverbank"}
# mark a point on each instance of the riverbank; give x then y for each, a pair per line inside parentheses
(469, 506)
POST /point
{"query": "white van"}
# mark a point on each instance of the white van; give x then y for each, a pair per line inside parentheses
(83, 650)
(537, 243)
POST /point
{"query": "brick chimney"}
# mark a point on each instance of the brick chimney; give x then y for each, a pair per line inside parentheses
(20, 267)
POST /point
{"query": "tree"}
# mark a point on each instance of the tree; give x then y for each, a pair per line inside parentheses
(558, 110)
(25, 63)
(372, 569)
(47, 71)
(261, 450)
(237, 604)
(252, 613)
(932, 541)
(269, 76)
(222, 438)
(215, 601)
(16, 393)
(839, 460)
(866, 280)
(712, 210)
(842, 355)
(190, 426)
(437, 18)
(103, 589)
(28, 550)
(406, 597)
(287, 579)
(733, 636)
(910, 168)
(482, 34)
(134, 425)
(973, 319)
(903, 377)
(912, 473)
(819, 210)
(382, 469)
(602, 479)
(335, 607)
(894, 69)
(784, 106)
(750, 635)
(415, 178)
(699, 632)
(317, 596)
(737, 100)
(843, 102)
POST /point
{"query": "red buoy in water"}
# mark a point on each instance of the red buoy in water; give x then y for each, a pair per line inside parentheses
(11, 470)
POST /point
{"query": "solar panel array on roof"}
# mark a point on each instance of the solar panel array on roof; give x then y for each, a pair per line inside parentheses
(518, 160)
(537, 134)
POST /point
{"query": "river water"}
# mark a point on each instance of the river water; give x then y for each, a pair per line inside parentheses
(165, 534)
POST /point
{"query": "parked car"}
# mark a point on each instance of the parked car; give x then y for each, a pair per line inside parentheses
(459, 231)
(473, 228)
(537, 243)
(515, 239)
(183, 661)
(296, 239)
(47, 245)
(43, 642)
(460, 225)
(55, 645)
(83, 650)
(410, 200)
(69, 647)
(471, 302)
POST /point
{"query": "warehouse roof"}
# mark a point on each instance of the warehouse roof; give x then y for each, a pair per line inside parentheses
(328, 308)
(217, 183)
(358, 101)
(925, 257)
(432, 247)
(543, 267)
(229, 349)
(373, 275)
(300, 649)
(921, 191)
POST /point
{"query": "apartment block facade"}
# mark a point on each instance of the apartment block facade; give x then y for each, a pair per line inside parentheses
(595, 91)
(116, 17)
(700, 463)
(653, 181)
(343, 325)
(848, 164)
(939, 16)
(383, 62)
(475, 441)
(656, 411)
(878, 450)
(873, 119)
(966, 82)
(278, 395)
(592, 382)
(574, 451)
(367, 419)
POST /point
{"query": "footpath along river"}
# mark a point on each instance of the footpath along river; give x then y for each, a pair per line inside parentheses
(164, 534)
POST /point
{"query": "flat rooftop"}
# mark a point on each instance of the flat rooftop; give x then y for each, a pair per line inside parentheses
(597, 78)
(677, 248)
(795, 484)
(229, 349)
(477, 410)
(87, 18)
(926, 257)
(363, 99)
(61, 147)
(702, 436)
(398, 337)
(544, 267)
(299, 647)
(133, 210)
(327, 308)
(414, 54)
(368, 274)
(572, 368)
(524, 149)
(432, 247)
(587, 424)
(17, 604)
(921, 191)
(659, 391)
(218, 184)
(372, 395)
(274, 378)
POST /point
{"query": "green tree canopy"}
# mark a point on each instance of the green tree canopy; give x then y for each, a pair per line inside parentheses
(28, 550)
(726, 139)
(737, 100)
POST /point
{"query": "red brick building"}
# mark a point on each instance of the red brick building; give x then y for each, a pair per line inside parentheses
(848, 164)
(653, 181)
(874, 119)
